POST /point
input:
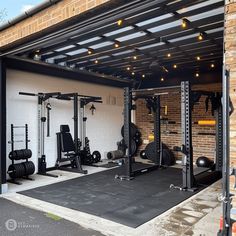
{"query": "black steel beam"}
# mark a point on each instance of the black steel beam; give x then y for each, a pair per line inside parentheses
(65, 73)
(3, 171)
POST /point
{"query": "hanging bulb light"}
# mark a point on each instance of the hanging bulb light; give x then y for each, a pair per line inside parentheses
(197, 75)
(119, 22)
(96, 61)
(135, 57)
(184, 23)
(168, 55)
(143, 76)
(162, 79)
(90, 51)
(116, 44)
(175, 66)
(200, 37)
(198, 58)
(133, 73)
(212, 65)
(128, 69)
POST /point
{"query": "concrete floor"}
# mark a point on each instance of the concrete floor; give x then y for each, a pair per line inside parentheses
(199, 215)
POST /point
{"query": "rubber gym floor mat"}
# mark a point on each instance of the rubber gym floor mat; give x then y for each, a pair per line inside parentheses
(130, 203)
(17, 220)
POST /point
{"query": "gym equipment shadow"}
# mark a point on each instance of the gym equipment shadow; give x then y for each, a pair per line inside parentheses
(130, 203)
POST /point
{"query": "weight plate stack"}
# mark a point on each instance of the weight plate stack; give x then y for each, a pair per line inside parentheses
(16, 170)
(29, 168)
(168, 157)
(150, 153)
(133, 130)
(27, 153)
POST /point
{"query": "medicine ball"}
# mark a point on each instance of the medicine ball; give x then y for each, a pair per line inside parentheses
(143, 154)
(203, 161)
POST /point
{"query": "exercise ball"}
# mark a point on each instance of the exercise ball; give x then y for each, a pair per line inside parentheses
(204, 162)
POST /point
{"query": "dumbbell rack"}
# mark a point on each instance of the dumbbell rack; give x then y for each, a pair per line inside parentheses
(23, 169)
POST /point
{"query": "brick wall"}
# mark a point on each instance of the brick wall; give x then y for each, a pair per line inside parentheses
(51, 16)
(202, 145)
(230, 46)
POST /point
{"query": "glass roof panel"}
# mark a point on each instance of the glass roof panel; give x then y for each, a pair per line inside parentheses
(76, 52)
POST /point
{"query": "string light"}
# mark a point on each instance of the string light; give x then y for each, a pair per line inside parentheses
(184, 23)
(96, 61)
(128, 68)
(197, 75)
(162, 79)
(90, 51)
(133, 73)
(175, 66)
(212, 65)
(200, 37)
(135, 57)
(198, 58)
(119, 22)
(168, 55)
(143, 76)
(117, 44)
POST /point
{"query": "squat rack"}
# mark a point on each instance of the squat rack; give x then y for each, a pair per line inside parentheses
(187, 104)
(131, 95)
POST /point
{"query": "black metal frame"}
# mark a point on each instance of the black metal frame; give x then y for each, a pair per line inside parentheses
(128, 107)
(226, 195)
(187, 148)
(3, 171)
(219, 139)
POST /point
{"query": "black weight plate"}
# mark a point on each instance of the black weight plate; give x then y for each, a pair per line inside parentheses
(13, 155)
(168, 158)
(133, 130)
(96, 156)
(29, 167)
(27, 153)
(138, 134)
(138, 141)
(134, 147)
(20, 154)
(150, 153)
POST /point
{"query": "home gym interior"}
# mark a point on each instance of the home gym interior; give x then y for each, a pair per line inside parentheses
(118, 112)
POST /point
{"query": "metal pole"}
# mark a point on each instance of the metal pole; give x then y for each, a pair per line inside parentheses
(157, 130)
(2, 123)
(76, 121)
(154, 89)
(226, 153)
(127, 122)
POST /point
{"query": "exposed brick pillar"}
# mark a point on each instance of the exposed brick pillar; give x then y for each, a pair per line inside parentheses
(230, 46)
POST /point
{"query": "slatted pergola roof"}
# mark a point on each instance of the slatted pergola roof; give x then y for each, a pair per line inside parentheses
(145, 39)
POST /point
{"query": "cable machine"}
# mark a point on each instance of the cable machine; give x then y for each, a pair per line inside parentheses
(43, 103)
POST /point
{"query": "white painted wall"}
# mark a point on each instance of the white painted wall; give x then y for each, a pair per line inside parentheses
(103, 128)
